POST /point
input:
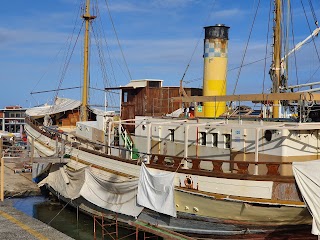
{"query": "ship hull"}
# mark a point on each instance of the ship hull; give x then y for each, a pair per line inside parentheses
(190, 224)
(199, 213)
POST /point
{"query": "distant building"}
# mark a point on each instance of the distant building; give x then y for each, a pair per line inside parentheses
(12, 119)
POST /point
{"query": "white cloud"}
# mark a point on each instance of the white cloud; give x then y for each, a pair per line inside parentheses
(126, 7)
(228, 13)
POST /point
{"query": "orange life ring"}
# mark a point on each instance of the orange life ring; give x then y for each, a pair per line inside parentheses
(188, 182)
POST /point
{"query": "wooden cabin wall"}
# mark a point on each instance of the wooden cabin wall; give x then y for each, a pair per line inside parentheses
(151, 101)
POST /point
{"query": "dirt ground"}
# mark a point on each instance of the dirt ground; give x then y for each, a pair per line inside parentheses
(18, 184)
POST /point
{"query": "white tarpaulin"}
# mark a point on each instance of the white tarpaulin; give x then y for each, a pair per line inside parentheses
(118, 197)
(66, 183)
(61, 105)
(308, 179)
(156, 191)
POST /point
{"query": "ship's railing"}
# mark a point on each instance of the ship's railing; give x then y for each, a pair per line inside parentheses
(45, 131)
(237, 167)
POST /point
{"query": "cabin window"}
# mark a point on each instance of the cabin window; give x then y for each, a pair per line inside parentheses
(125, 97)
(203, 138)
(214, 139)
(171, 136)
(154, 84)
(227, 141)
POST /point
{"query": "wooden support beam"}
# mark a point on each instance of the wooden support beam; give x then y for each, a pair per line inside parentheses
(251, 97)
(1, 171)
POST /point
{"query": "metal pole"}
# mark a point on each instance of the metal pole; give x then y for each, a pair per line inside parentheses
(32, 150)
(2, 180)
(57, 147)
(256, 154)
(94, 228)
(149, 136)
(109, 138)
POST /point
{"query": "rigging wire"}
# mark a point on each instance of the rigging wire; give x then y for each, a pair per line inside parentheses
(313, 13)
(115, 32)
(246, 47)
(99, 35)
(110, 54)
(101, 58)
(103, 36)
(200, 37)
(69, 39)
(63, 74)
(293, 42)
(310, 29)
(266, 52)
(286, 45)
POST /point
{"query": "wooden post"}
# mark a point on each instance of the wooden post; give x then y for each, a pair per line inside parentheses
(62, 148)
(57, 147)
(32, 150)
(2, 171)
(1, 147)
(2, 180)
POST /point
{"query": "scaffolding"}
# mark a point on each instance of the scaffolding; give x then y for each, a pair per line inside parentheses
(109, 226)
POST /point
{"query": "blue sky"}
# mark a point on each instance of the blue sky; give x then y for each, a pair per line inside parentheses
(158, 38)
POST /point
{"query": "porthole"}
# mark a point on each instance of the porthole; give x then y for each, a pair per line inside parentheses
(268, 135)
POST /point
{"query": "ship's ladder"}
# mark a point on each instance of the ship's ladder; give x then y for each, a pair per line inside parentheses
(128, 143)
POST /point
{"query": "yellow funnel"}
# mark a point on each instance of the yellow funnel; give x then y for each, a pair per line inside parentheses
(215, 68)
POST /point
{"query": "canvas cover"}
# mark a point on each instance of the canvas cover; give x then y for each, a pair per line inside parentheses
(118, 197)
(61, 105)
(156, 191)
(308, 179)
(69, 188)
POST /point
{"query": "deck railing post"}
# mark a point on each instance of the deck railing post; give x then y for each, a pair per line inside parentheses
(2, 180)
(256, 154)
(32, 150)
(186, 137)
(149, 136)
(109, 137)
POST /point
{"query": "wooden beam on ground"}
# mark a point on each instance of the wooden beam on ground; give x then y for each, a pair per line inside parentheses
(251, 97)
(159, 231)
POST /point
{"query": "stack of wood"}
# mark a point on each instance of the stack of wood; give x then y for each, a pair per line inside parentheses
(71, 120)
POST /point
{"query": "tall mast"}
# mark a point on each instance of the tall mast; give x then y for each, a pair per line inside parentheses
(85, 88)
(277, 56)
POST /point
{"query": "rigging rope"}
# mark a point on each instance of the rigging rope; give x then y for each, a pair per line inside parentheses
(310, 30)
(101, 58)
(115, 32)
(313, 13)
(63, 74)
(266, 52)
(110, 53)
(197, 44)
(293, 42)
(103, 36)
(245, 51)
(69, 39)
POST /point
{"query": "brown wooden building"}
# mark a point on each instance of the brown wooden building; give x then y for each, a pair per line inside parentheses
(147, 97)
